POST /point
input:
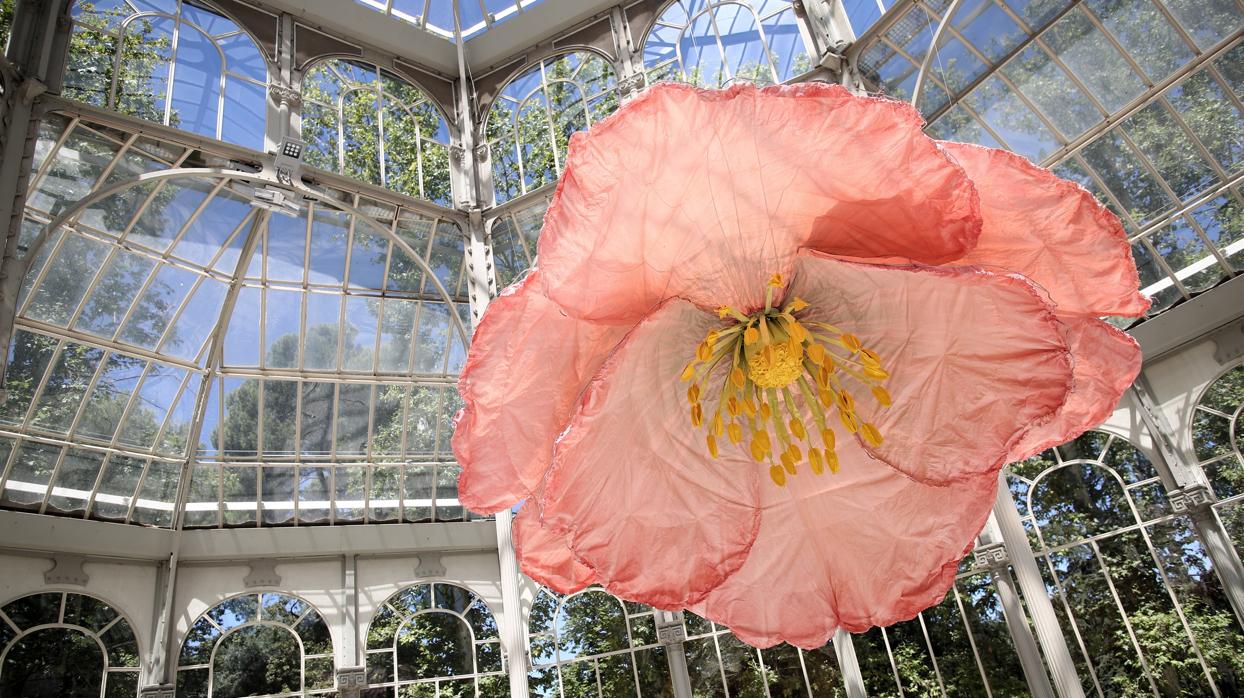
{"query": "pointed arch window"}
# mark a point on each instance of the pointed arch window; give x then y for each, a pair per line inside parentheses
(367, 123)
(174, 62)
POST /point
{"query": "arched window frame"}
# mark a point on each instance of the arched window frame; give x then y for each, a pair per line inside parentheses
(505, 140)
(676, 68)
(641, 637)
(324, 658)
(97, 635)
(176, 16)
(1149, 514)
(440, 140)
(382, 658)
(1214, 457)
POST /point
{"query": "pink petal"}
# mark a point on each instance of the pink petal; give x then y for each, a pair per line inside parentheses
(703, 195)
(527, 364)
(976, 359)
(1052, 231)
(632, 484)
(545, 556)
(866, 546)
(1106, 362)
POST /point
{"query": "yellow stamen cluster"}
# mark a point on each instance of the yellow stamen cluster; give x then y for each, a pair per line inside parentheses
(768, 358)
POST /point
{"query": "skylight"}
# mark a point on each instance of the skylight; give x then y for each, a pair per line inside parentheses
(437, 16)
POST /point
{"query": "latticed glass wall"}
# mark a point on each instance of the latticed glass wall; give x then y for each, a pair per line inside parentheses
(1137, 100)
(205, 337)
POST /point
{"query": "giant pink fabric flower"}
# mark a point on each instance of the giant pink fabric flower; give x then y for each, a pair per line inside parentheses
(691, 390)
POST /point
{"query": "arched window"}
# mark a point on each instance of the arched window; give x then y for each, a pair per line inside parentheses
(436, 639)
(365, 122)
(1138, 600)
(533, 117)
(63, 645)
(714, 44)
(257, 645)
(1218, 440)
(170, 61)
(590, 644)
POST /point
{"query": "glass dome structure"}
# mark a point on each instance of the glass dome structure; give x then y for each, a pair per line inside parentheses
(247, 244)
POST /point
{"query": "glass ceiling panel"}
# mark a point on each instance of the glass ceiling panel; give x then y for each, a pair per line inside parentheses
(1137, 100)
(437, 16)
(334, 395)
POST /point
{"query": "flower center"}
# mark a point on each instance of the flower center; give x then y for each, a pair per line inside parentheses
(768, 357)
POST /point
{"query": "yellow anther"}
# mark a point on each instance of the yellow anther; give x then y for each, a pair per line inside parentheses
(849, 420)
(751, 335)
(876, 373)
(788, 463)
(749, 406)
(712, 445)
(778, 475)
(765, 411)
(814, 460)
(758, 453)
(762, 438)
(827, 436)
(735, 432)
(689, 372)
(871, 435)
(816, 352)
(851, 342)
(798, 333)
(796, 428)
(831, 461)
(738, 377)
(795, 454)
(845, 401)
(719, 427)
(868, 356)
(797, 304)
(732, 406)
(775, 280)
(693, 393)
(724, 312)
(882, 395)
(827, 397)
(697, 416)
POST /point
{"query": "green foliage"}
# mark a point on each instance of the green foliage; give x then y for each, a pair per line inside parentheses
(53, 663)
(257, 660)
(136, 63)
(370, 125)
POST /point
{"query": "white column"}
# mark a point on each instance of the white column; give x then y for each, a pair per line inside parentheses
(1024, 562)
(513, 638)
(849, 665)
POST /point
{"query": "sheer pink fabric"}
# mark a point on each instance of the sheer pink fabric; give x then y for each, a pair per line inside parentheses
(703, 195)
(1051, 231)
(527, 364)
(631, 485)
(545, 556)
(975, 359)
(688, 199)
